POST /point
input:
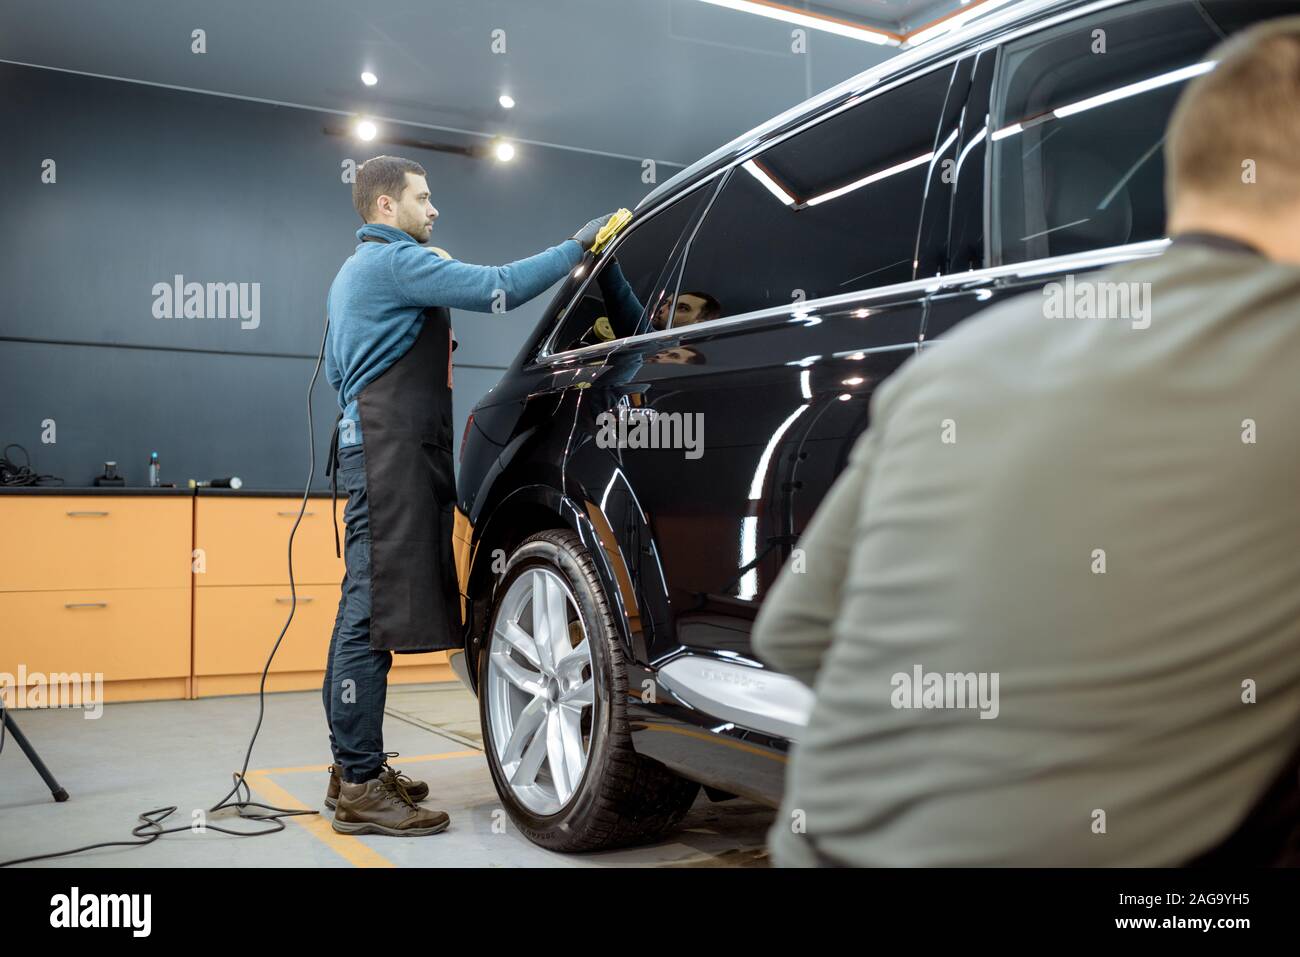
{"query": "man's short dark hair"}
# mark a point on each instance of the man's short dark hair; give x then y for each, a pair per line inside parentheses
(1244, 110)
(381, 176)
(711, 308)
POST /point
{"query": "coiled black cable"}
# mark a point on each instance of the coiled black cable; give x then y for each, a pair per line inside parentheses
(13, 475)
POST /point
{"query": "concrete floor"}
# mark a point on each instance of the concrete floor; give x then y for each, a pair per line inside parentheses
(141, 756)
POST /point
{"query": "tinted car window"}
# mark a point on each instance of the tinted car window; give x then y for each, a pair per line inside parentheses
(624, 296)
(833, 209)
(1078, 129)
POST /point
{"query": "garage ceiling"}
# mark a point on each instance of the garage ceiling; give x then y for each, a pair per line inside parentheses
(665, 79)
(900, 16)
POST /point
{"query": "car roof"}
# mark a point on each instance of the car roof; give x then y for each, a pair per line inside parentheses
(981, 28)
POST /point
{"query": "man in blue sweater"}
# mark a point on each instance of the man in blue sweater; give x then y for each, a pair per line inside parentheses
(388, 353)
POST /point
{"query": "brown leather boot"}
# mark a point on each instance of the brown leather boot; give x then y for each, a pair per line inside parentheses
(417, 789)
(383, 805)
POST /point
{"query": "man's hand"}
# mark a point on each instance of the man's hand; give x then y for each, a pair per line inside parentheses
(587, 234)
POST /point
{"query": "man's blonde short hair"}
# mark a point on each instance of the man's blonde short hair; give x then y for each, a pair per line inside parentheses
(1243, 116)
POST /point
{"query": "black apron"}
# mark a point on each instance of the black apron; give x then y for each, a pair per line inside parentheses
(406, 436)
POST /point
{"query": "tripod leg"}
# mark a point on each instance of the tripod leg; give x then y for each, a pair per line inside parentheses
(12, 728)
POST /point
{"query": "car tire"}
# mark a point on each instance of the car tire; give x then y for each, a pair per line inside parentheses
(620, 798)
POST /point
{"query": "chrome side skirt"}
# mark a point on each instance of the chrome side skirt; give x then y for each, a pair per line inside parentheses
(765, 701)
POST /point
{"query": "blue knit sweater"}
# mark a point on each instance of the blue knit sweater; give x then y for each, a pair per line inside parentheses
(375, 302)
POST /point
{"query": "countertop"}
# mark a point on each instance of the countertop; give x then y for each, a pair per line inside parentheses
(162, 492)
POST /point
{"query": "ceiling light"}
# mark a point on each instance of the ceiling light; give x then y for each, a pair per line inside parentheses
(507, 101)
(1132, 89)
(1110, 96)
(772, 185)
(504, 151)
(826, 24)
(369, 79)
(366, 130)
(873, 178)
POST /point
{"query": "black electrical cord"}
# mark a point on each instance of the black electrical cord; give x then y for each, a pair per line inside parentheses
(150, 827)
(13, 475)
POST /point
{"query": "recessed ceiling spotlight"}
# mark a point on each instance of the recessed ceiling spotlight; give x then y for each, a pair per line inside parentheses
(507, 101)
(366, 130)
(504, 151)
(369, 79)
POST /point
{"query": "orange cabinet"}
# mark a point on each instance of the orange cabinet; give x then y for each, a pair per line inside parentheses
(241, 597)
(94, 541)
(235, 628)
(98, 585)
(172, 595)
(127, 634)
(244, 541)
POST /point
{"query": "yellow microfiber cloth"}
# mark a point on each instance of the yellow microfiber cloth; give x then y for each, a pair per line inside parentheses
(604, 331)
(611, 229)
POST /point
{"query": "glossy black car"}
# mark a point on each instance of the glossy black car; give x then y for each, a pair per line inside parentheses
(754, 304)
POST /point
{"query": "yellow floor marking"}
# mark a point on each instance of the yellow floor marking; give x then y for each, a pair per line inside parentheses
(352, 850)
(318, 826)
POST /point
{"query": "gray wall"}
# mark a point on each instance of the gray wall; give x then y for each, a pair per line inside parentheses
(154, 182)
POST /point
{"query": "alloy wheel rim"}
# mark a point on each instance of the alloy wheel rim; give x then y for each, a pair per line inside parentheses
(541, 691)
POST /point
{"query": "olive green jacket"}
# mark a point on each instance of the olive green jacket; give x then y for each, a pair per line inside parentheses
(1102, 517)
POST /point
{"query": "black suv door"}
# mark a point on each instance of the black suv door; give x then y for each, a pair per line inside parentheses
(583, 370)
(779, 373)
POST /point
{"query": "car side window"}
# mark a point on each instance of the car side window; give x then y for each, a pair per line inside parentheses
(833, 209)
(626, 290)
(1077, 141)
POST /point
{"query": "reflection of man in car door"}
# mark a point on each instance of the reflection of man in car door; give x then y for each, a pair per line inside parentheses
(623, 309)
(692, 307)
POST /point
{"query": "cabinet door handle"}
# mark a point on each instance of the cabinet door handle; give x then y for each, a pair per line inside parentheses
(301, 599)
(86, 514)
(293, 514)
(86, 604)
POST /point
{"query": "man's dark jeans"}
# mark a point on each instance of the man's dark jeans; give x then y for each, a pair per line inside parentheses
(356, 678)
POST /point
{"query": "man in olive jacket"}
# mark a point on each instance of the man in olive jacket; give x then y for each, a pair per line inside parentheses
(1051, 610)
